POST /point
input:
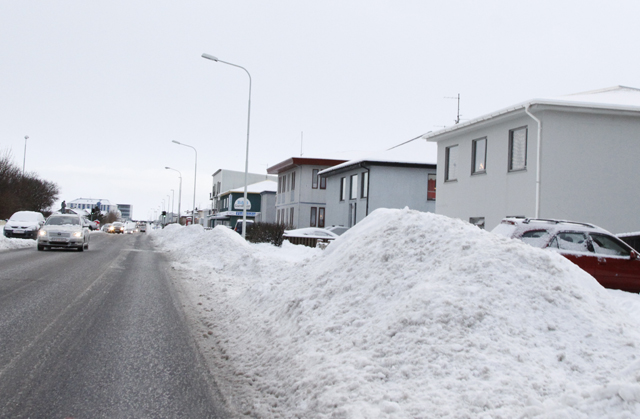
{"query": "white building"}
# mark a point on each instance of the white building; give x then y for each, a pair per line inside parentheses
(226, 180)
(301, 197)
(572, 157)
(89, 203)
(404, 176)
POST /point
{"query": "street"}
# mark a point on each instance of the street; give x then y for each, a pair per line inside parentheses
(98, 334)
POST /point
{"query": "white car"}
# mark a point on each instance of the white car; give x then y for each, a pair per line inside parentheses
(64, 230)
(24, 224)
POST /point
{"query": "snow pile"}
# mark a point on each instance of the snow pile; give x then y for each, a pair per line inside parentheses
(410, 315)
(7, 243)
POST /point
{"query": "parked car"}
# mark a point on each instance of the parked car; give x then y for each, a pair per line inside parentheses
(612, 262)
(238, 227)
(24, 224)
(310, 236)
(116, 228)
(64, 230)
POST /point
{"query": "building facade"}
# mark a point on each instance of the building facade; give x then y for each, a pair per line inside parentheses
(231, 207)
(301, 197)
(357, 188)
(574, 157)
(90, 203)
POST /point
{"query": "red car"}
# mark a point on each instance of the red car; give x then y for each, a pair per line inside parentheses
(601, 254)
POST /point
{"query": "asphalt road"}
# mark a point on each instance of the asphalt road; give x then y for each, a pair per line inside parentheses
(98, 334)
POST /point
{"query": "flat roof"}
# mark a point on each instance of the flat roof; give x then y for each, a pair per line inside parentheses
(300, 161)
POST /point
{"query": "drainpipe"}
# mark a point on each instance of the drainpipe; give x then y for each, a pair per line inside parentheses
(368, 182)
(538, 148)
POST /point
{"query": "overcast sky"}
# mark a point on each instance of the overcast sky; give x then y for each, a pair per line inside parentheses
(102, 87)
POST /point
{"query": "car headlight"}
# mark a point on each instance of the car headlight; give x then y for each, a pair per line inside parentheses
(42, 233)
(77, 234)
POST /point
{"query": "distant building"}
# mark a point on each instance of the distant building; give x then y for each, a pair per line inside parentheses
(301, 198)
(125, 211)
(90, 203)
(396, 178)
(232, 204)
(226, 180)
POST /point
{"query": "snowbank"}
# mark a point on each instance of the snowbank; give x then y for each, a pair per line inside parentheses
(410, 315)
(7, 243)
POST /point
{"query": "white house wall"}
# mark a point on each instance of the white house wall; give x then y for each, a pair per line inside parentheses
(589, 169)
(303, 197)
(389, 187)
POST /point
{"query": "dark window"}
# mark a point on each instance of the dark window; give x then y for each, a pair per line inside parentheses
(321, 217)
(293, 181)
(365, 185)
(518, 149)
(607, 245)
(314, 211)
(353, 192)
(479, 150)
(314, 179)
(431, 187)
(343, 189)
(323, 182)
(451, 163)
(291, 217)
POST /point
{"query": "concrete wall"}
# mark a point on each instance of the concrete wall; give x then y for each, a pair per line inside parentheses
(588, 170)
(389, 187)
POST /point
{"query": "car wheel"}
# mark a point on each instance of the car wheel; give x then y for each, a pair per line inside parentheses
(86, 245)
(40, 247)
(81, 248)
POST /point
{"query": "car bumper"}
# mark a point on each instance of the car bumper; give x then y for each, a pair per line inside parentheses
(74, 242)
(12, 234)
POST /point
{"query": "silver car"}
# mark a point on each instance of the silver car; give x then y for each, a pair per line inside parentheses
(64, 230)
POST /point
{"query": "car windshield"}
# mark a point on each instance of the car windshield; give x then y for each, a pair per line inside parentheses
(59, 221)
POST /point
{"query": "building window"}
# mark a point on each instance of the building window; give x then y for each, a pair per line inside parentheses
(293, 181)
(477, 221)
(353, 192)
(343, 189)
(314, 211)
(291, 217)
(451, 163)
(479, 156)
(518, 149)
(431, 187)
(323, 182)
(364, 192)
(352, 214)
(280, 183)
(321, 217)
(314, 179)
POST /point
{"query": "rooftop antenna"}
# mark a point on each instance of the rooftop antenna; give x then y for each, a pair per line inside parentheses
(457, 120)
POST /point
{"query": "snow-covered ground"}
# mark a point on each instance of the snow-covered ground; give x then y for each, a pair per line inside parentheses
(7, 243)
(408, 315)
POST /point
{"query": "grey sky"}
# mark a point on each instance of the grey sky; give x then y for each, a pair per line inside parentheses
(101, 88)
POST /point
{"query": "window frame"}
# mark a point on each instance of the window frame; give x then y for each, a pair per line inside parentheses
(314, 178)
(526, 146)
(364, 185)
(313, 217)
(447, 163)
(431, 195)
(293, 181)
(474, 156)
(353, 187)
(343, 189)
(321, 214)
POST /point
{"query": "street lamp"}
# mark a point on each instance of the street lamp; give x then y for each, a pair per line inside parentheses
(179, 191)
(195, 176)
(24, 159)
(246, 162)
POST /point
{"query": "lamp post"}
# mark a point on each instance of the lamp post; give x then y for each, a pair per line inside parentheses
(195, 176)
(246, 162)
(24, 158)
(173, 203)
(179, 191)
(169, 200)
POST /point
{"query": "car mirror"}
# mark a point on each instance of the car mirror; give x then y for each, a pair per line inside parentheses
(634, 255)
